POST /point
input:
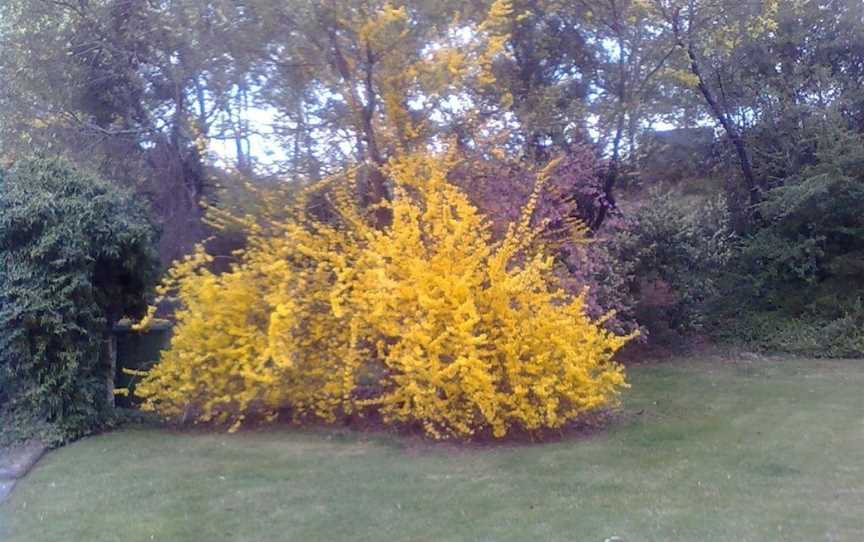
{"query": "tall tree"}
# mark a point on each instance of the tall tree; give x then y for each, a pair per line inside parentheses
(712, 35)
(128, 87)
(635, 51)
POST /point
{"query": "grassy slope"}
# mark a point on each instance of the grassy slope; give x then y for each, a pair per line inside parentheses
(761, 450)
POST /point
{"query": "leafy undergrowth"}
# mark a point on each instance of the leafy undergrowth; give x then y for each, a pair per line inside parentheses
(708, 449)
(840, 337)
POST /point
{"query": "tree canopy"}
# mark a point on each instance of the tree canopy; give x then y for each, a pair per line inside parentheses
(184, 101)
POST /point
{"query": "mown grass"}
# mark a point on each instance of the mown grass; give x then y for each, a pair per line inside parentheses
(707, 449)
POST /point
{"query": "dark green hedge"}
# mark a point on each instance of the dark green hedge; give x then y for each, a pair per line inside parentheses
(76, 254)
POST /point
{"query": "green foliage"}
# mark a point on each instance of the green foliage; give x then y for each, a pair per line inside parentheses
(679, 254)
(810, 334)
(817, 213)
(77, 254)
(800, 277)
(152, 95)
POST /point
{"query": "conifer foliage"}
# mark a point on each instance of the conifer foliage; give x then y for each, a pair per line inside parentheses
(77, 254)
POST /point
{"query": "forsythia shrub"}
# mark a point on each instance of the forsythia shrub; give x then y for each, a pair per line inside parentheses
(427, 320)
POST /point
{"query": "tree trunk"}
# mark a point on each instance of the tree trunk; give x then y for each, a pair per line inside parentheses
(722, 117)
(731, 131)
(110, 353)
(611, 176)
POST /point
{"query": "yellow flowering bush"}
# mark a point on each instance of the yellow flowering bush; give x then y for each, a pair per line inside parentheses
(426, 320)
(217, 365)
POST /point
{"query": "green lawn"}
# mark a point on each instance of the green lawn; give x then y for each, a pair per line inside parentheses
(732, 451)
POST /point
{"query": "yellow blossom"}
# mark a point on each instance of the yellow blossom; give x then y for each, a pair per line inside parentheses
(426, 320)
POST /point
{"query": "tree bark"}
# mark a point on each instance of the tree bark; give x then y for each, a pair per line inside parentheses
(376, 183)
(732, 133)
(611, 177)
(614, 163)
